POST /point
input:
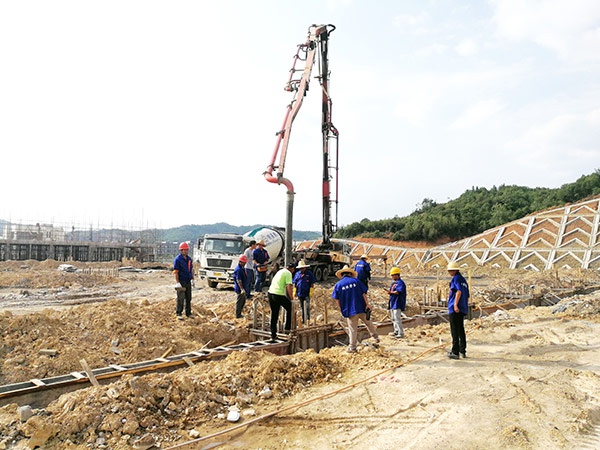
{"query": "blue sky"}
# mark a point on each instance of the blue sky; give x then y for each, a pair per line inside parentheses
(160, 114)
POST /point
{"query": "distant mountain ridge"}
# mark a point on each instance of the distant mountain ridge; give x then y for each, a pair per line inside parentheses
(193, 232)
(177, 234)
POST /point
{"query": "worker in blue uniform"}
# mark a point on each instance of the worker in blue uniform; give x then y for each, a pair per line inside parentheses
(184, 275)
(304, 280)
(351, 296)
(458, 308)
(363, 270)
(260, 256)
(397, 302)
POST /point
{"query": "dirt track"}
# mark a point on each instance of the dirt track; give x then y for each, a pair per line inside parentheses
(531, 380)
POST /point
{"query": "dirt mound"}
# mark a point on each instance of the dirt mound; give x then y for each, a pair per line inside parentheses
(115, 332)
(169, 406)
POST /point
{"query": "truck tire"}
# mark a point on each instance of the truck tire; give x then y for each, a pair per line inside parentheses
(212, 284)
(319, 273)
(325, 273)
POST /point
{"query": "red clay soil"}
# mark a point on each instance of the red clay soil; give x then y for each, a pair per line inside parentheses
(405, 244)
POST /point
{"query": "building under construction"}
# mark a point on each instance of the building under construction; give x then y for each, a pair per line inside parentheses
(46, 241)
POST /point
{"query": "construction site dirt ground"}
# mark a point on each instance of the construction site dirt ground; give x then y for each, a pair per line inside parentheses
(531, 379)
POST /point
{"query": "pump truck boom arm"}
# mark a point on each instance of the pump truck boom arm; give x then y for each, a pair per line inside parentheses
(314, 49)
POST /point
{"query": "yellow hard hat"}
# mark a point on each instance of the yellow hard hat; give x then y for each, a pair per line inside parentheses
(395, 271)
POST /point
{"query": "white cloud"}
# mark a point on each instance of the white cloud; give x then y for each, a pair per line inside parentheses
(467, 47)
(417, 97)
(477, 114)
(569, 138)
(570, 29)
(415, 23)
(434, 49)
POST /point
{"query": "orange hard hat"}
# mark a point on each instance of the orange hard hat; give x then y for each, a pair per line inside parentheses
(243, 259)
(184, 246)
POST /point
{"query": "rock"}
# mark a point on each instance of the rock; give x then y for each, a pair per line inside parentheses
(110, 423)
(216, 398)
(244, 399)
(194, 433)
(25, 413)
(112, 392)
(130, 426)
(233, 415)
(67, 268)
(39, 431)
(560, 308)
(266, 392)
(48, 352)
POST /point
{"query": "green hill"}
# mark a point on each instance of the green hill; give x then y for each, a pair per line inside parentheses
(475, 211)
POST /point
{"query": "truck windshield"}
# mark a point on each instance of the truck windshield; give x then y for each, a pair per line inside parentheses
(232, 247)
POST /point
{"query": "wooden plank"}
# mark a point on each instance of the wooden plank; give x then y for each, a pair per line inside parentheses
(89, 372)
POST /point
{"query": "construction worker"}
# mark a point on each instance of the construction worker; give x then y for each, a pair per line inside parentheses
(240, 285)
(260, 257)
(458, 308)
(351, 297)
(280, 296)
(304, 280)
(250, 267)
(397, 302)
(363, 270)
(184, 275)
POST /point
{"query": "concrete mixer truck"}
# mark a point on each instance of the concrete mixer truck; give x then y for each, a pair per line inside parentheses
(217, 254)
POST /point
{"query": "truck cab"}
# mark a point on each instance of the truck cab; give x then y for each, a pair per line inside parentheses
(216, 256)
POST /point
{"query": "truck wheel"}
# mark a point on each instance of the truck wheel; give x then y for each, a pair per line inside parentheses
(325, 274)
(319, 273)
(212, 284)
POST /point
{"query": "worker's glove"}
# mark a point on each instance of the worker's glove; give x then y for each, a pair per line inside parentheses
(178, 286)
(193, 283)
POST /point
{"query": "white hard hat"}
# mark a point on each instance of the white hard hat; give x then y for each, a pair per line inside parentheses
(302, 265)
(453, 265)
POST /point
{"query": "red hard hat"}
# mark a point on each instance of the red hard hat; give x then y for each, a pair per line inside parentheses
(243, 259)
(184, 246)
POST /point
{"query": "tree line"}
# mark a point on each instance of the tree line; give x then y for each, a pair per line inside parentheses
(476, 210)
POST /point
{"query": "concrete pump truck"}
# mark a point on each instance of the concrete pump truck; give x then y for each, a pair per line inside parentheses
(328, 256)
(217, 254)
